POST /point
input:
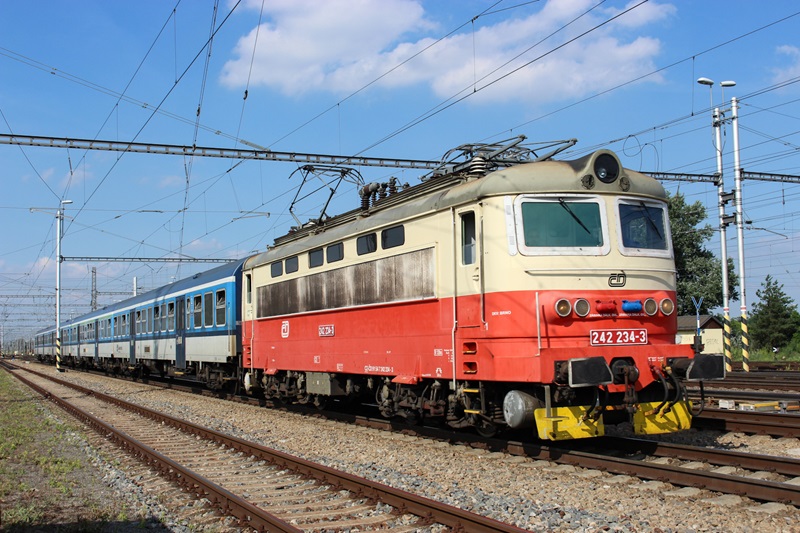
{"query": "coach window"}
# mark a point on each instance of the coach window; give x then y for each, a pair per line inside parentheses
(149, 320)
(198, 311)
(292, 264)
(221, 308)
(115, 332)
(393, 237)
(124, 323)
(209, 309)
(163, 317)
(171, 316)
(138, 322)
(157, 318)
(335, 252)
(276, 269)
(468, 238)
(366, 244)
(315, 258)
(188, 312)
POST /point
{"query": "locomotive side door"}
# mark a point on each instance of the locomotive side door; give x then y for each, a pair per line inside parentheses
(468, 267)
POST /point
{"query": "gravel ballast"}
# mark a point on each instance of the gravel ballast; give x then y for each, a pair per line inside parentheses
(536, 495)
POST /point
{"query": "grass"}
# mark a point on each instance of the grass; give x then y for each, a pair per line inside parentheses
(46, 482)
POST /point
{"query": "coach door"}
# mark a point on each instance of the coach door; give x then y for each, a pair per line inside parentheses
(180, 333)
(96, 341)
(468, 268)
(131, 327)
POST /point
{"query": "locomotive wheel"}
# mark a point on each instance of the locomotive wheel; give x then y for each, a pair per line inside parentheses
(320, 402)
(486, 429)
(412, 418)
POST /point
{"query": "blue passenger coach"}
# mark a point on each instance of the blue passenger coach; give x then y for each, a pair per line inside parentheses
(191, 327)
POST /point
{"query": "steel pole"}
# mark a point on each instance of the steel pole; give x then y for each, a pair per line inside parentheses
(59, 218)
(740, 234)
(723, 238)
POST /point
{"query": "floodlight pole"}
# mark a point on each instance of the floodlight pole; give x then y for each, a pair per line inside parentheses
(59, 260)
(723, 198)
(740, 234)
(723, 243)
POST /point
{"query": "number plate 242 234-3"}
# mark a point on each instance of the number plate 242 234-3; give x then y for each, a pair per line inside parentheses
(602, 337)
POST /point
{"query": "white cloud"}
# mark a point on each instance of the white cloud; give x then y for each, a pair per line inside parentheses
(793, 69)
(341, 45)
(201, 246)
(305, 42)
(170, 181)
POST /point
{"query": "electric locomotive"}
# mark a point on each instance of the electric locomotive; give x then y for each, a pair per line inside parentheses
(534, 295)
(498, 293)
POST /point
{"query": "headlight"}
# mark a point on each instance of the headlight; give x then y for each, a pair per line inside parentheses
(606, 168)
(650, 306)
(582, 307)
(667, 306)
(563, 307)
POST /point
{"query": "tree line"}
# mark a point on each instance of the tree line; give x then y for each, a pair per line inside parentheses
(773, 323)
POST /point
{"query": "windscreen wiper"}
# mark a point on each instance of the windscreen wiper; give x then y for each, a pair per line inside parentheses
(569, 210)
(650, 220)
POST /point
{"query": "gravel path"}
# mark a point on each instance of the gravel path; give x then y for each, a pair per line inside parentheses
(535, 495)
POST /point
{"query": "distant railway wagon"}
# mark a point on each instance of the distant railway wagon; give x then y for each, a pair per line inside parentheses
(188, 327)
(498, 295)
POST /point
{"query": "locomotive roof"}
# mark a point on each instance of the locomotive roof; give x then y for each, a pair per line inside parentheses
(445, 192)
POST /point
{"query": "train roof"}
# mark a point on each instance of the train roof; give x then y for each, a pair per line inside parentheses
(440, 193)
(200, 279)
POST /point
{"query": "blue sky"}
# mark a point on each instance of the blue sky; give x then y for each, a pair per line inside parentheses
(380, 78)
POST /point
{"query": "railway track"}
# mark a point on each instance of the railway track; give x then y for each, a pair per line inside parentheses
(774, 424)
(788, 381)
(762, 478)
(264, 489)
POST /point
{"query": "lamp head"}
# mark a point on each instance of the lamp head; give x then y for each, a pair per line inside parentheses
(705, 81)
(728, 83)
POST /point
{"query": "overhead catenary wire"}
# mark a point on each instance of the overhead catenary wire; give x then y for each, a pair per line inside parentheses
(237, 135)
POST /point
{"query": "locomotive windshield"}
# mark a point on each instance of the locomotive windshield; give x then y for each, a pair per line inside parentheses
(562, 223)
(642, 226)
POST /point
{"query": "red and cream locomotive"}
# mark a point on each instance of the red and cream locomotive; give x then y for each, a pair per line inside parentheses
(530, 295)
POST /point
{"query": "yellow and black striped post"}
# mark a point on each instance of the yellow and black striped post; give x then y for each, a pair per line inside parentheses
(745, 344)
(58, 354)
(726, 341)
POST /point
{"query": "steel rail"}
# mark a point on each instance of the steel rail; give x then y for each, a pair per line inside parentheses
(223, 499)
(756, 489)
(782, 465)
(406, 502)
(775, 424)
(762, 490)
